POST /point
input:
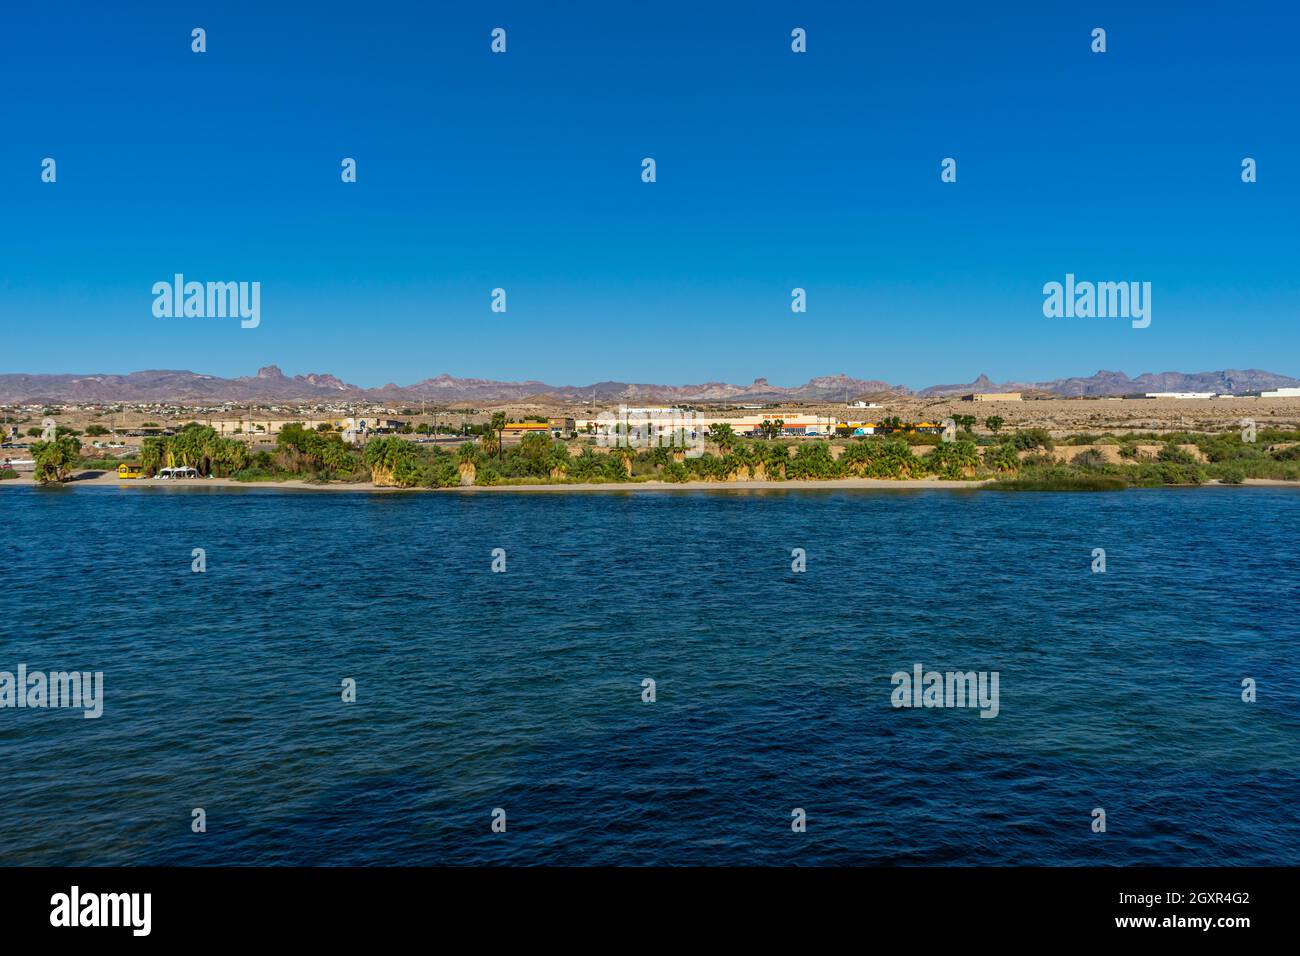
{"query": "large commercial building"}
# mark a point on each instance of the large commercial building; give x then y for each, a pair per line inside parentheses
(558, 427)
(647, 422)
(514, 431)
(376, 424)
(992, 397)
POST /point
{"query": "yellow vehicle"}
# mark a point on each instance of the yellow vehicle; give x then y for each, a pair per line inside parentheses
(130, 471)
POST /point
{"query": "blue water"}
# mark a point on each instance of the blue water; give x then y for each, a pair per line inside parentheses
(522, 690)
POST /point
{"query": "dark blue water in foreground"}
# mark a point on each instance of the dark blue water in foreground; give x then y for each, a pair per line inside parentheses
(523, 690)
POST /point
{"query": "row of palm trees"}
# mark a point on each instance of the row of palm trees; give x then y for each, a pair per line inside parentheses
(395, 462)
(538, 457)
(194, 446)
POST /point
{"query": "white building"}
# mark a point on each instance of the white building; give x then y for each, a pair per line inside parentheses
(665, 421)
(1281, 393)
(1180, 394)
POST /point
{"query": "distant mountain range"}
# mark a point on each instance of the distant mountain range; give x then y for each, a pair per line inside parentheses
(272, 385)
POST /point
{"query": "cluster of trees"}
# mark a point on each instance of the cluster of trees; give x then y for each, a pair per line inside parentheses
(194, 446)
(396, 462)
(538, 458)
(888, 458)
(56, 459)
(300, 450)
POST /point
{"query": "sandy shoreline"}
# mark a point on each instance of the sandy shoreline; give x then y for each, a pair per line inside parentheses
(107, 479)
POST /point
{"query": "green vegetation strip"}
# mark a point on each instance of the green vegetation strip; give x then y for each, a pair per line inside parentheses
(1020, 460)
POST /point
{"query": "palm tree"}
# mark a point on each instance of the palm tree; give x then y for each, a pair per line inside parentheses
(953, 459)
(386, 457)
(775, 459)
(152, 453)
(813, 461)
(1003, 457)
(498, 427)
(558, 460)
(55, 459)
(625, 456)
(587, 466)
(227, 456)
(742, 457)
(966, 456)
(467, 457)
(722, 435)
(895, 460)
(677, 442)
(862, 457)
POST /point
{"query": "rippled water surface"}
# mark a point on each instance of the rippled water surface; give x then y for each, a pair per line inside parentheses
(523, 690)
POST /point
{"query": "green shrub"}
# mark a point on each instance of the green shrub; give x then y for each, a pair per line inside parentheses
(1002, 457)
(1091, 460)
(1172, 454)
(1027, 439)
(1060, 482)
(1232, 474)
(255, 474)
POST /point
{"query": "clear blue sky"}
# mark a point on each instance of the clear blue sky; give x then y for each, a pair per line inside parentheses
(775, 170)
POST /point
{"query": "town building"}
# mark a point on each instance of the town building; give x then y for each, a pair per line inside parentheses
(668, 421)
(515, 431)
(992, 397)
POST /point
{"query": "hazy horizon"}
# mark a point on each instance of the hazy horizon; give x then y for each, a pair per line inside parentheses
(664, 382)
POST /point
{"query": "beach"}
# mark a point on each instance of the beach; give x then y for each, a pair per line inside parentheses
(107, 478)
(929, 483)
